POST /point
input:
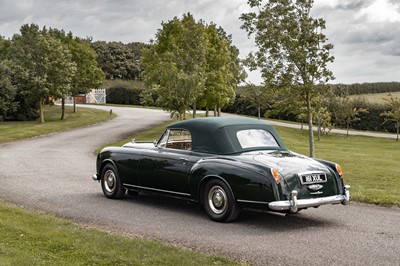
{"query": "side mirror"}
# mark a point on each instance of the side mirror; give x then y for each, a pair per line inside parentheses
(155, 143)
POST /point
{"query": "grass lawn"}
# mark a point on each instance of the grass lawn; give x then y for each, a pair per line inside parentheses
(370, 165)
(29, 238)
(11, 131)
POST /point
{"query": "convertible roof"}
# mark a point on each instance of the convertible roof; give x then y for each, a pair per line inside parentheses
(218, 134)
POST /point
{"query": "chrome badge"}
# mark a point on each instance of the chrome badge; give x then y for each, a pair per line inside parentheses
(315, 187)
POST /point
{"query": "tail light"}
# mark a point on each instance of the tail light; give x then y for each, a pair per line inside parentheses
(275, 174)
(339, 170)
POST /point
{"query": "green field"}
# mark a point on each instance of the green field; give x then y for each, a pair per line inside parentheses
(371, 165)
(376, 97)
(11, 131)
(29, 238)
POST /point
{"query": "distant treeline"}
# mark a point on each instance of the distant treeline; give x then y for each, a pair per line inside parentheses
(129, 92)
(367, 88)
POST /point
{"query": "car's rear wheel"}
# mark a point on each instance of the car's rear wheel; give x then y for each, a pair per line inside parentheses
(111, 183)
(218, 201)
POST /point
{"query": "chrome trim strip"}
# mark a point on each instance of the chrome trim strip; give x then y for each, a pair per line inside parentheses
(251, 201)
(294, 204)
(158, 190)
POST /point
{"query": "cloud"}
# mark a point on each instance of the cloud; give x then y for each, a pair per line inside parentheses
(365, 33)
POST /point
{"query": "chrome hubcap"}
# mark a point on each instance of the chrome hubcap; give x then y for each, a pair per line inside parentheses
(109, 181)
(217, 199)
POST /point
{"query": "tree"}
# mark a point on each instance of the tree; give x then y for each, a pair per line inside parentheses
(7, 91)
(190, 64)
(42, 65)
(175, 64)
(223, 70)
(118, 60)
(292, 50)
(88, 73)
(256, 96)
(323, 120)
(348, 112)
(394, 113)
(4, 46)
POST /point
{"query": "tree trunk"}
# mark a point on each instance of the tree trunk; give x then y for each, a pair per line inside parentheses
(398, 126)
(194, 110)
(207, 111)
(219, 111)
(74, 103)
(41, 103)
(215, 110)
(62, 108)
(259, 111)
(310, 127)
(319, 128)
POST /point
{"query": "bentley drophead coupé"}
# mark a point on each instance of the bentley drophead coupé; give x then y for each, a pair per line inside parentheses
(226, 164)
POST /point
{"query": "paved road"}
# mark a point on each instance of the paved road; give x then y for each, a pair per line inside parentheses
(53, 174)
(336, 131)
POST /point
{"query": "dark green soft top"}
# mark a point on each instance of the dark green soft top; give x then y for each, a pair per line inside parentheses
(217, 135)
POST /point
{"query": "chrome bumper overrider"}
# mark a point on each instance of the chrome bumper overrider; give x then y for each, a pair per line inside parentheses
(295, 204)
(95, 177)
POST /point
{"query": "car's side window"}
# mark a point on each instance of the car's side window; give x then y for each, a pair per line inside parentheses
(163, 140)
(179, 139)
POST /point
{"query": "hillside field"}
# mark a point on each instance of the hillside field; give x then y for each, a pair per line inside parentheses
(376, 97)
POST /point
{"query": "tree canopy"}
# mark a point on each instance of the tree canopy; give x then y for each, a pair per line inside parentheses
(119, 60)
(191, 63)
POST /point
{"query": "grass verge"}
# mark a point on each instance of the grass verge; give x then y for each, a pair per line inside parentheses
(29, 238)
(371, 165)
(11, 131)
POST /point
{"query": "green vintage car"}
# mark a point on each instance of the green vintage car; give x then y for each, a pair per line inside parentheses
(226, 164)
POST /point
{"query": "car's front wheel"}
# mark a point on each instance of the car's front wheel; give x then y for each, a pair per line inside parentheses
(110, 183)
(218, 201)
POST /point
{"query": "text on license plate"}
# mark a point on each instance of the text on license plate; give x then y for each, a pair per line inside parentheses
(312, 178)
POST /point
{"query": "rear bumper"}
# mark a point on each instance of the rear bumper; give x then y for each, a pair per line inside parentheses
(295, 204)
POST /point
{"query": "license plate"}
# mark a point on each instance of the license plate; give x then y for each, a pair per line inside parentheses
(312, 178)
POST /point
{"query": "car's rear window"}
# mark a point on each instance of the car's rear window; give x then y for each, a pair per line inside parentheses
(251, 138)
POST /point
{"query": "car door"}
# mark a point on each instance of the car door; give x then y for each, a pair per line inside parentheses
(165, 168)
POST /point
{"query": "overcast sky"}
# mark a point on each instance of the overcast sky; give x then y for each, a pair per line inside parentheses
(365, 33)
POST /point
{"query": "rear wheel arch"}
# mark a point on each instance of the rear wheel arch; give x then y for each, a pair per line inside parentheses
(218, 200)
(205, 180)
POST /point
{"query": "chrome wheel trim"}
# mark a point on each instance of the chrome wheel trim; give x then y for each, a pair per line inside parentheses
(217, 199)
(109, 181)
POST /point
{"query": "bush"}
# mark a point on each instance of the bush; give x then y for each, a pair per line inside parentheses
(123, 92)
(372, 120)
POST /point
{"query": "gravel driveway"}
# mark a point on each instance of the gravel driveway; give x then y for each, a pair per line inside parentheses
(53, 174)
